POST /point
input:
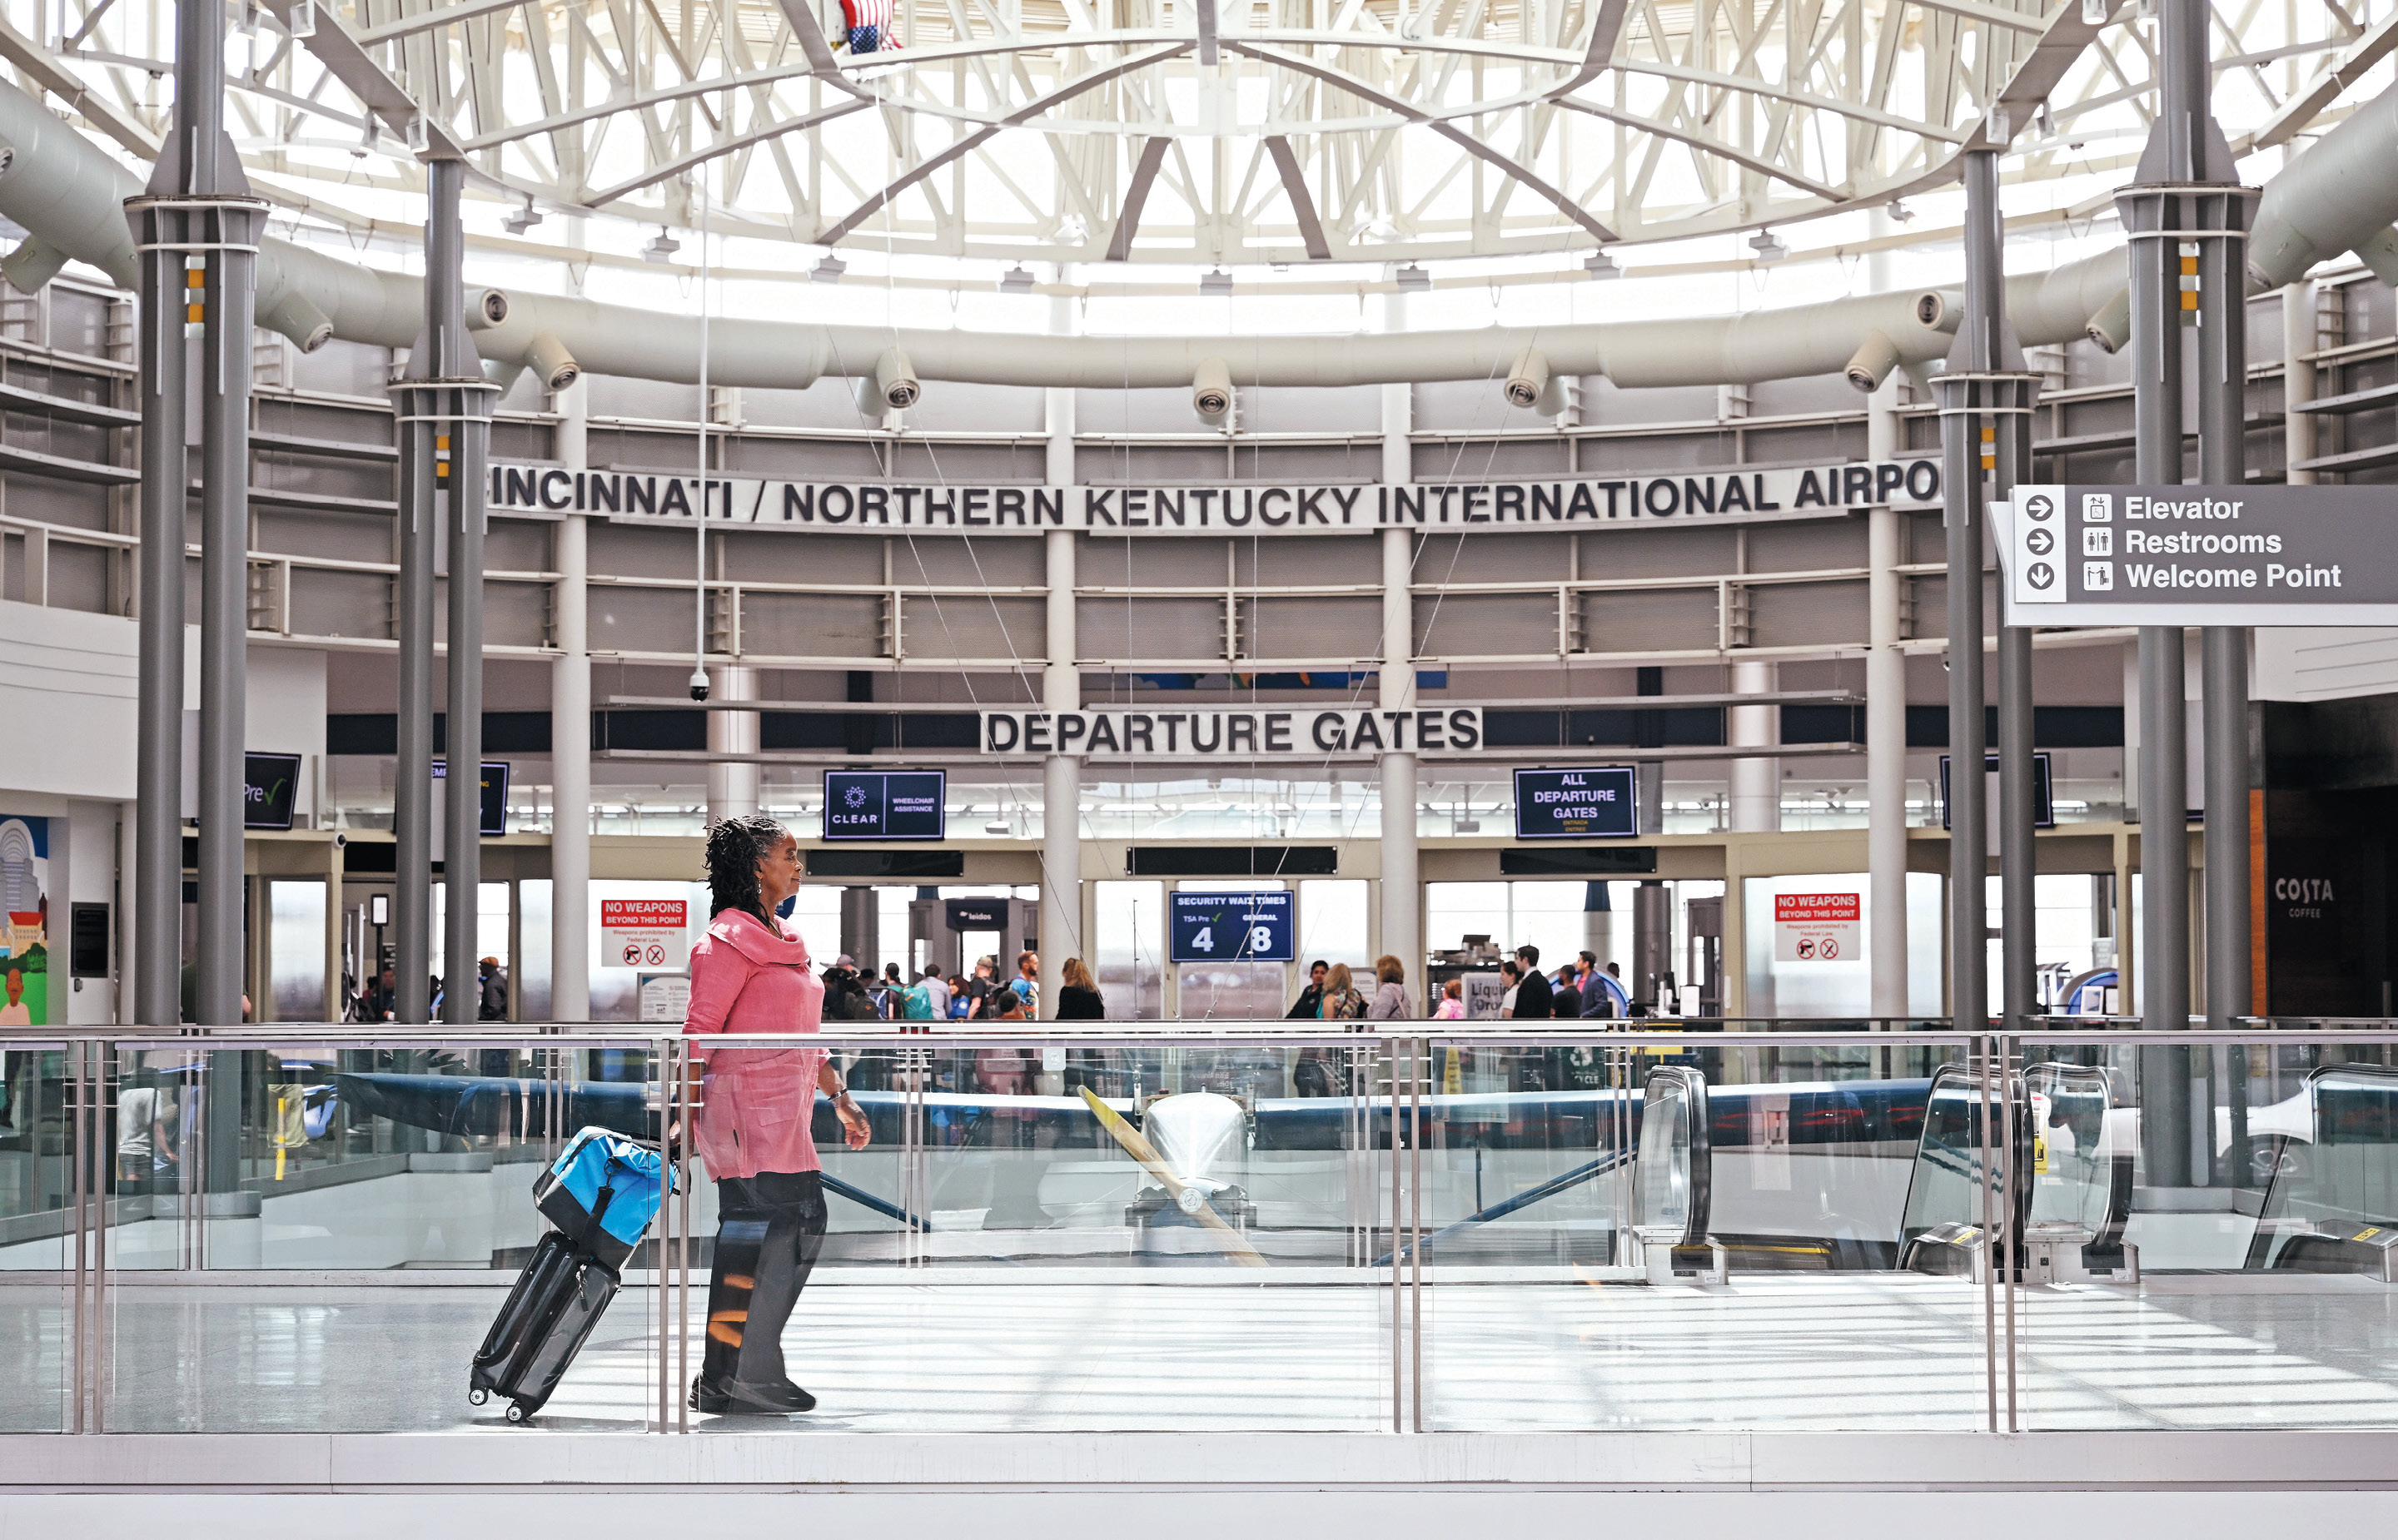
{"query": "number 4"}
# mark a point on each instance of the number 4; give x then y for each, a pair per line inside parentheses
(1204, 940)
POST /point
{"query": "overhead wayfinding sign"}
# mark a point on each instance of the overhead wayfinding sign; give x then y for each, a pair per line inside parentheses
(1232, 927)
(1575, 804)
(876, 508)
(1255, 734)
(2198, 555)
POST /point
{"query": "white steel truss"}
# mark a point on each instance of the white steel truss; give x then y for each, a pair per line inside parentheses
(1166, 131)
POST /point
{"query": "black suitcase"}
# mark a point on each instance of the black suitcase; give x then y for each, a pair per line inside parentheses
(557, 1299)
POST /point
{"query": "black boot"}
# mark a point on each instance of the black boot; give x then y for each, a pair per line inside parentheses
(743, 1401)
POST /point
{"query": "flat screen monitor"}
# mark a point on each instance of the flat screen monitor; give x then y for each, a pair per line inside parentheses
(885, 804)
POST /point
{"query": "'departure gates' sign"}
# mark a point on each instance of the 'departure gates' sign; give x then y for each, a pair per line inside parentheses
(2199, 556)
(1249, 733)
(851, 507)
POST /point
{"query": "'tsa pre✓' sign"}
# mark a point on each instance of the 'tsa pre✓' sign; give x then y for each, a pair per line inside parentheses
(884, 804)
(1576, 804)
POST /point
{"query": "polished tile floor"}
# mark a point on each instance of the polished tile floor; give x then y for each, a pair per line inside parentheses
(1851, 1351)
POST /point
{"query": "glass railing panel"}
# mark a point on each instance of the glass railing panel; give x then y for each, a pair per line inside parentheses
(2221, 1258)
(1068, 1232)
(317, 1236)
(1664, 1229)
(39, 1231)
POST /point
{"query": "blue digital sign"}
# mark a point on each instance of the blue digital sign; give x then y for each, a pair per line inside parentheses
(1232, 927)
(884, 804)
(1599, 802)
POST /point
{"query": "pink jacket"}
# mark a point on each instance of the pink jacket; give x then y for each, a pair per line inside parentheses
(758, 1102)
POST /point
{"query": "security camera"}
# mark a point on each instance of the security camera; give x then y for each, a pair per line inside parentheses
(699, 684)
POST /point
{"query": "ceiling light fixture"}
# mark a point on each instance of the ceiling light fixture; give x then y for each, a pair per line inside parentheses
(1412, 279)
(661, 247)
(1899, 211)
(1768, 246)
(1015, 280)
(1216, 283)
(828, 270)
(1598, 264)
(516, 222)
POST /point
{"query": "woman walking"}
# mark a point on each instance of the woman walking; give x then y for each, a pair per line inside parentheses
(1390, 1001)
(1078, 996)
(1341, 1002)
(749, 974)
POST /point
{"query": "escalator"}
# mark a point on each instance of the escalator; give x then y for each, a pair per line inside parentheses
(2332, 1206)
(2071, 1146)
(1673, 1177)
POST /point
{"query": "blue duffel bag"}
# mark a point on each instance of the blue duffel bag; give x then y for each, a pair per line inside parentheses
(601, 1192)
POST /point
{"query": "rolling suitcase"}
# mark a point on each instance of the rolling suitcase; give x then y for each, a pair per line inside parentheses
(601, 1192)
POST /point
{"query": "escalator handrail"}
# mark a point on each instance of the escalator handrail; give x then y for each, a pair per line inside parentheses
(1702, 1150)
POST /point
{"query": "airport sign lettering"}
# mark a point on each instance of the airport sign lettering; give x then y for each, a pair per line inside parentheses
(2195, 555)
(1233, 734)
(834, 507)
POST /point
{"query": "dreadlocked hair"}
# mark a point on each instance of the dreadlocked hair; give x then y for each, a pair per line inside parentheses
(735, 848)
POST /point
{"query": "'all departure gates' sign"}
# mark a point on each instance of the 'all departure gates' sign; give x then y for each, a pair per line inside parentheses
(851, 507)
(2196, 556)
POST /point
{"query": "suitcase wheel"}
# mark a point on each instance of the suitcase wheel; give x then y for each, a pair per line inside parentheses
(478, 1395)
(516, 1412)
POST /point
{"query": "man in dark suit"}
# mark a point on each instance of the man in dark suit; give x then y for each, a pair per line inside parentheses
(1533, 998)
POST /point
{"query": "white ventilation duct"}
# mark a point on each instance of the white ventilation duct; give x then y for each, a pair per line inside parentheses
(554, 366)
(296, 317)
(60, 186)
(486, 308)
(1212, 391)
(1871, 364)
(2111, 327)
(1526, 377)
(32, 265)
(896, 385)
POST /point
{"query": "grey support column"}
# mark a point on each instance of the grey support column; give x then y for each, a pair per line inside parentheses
(1061, 786)
(731, 786)
(443, 407)
(418, 535)
(2298, 344)
(1402, 915)
(2223, 461)
(1755, 783)
(1400, 909)
(1885, 725)
(570, 737)
(2183, 202)
(160, 231)
(198, 227)
(1985, 411)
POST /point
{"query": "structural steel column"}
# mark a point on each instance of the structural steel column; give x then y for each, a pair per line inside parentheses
(442, 409)
(2298, 379)
(570, 735)
(2187, 219)
(732, 787)
(161, 227)
(1755, 783)
(198, 227)
(1061, 786)
(1401, 906)
(1984, 413)
(2223, 656)
(1885, 725)
(2005, 435)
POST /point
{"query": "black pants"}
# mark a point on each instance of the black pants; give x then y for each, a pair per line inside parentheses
(770, 1229)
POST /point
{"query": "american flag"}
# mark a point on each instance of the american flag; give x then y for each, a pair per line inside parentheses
(869, 25)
